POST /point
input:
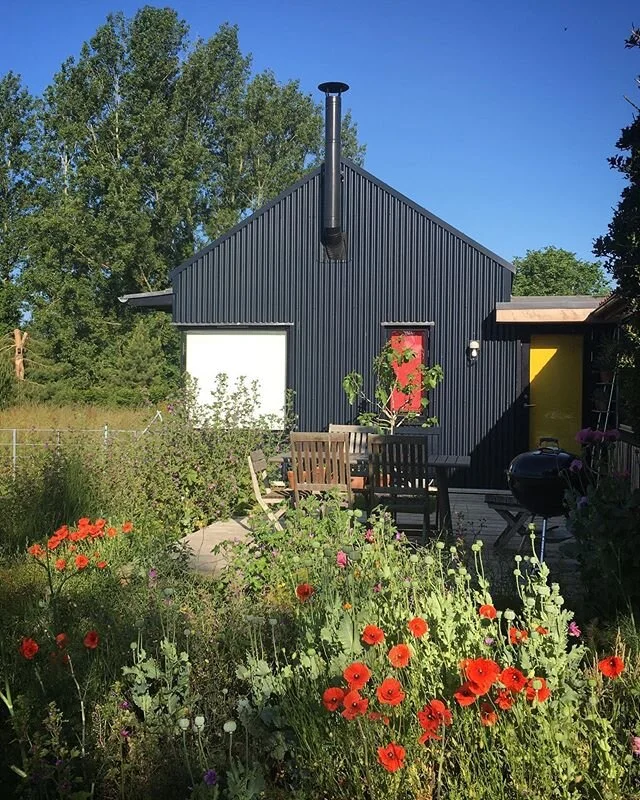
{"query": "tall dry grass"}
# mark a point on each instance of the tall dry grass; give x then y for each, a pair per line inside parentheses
(74, 417)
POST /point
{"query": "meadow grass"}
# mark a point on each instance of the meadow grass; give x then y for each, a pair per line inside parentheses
(34, 415)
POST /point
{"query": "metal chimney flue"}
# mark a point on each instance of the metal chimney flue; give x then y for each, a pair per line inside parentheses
(333, 237)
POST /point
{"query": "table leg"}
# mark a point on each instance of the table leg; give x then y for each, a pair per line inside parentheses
(444, 504)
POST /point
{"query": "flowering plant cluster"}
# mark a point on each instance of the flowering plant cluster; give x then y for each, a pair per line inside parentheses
(29, 647)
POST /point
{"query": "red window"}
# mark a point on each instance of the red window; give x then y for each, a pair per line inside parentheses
(407, 373)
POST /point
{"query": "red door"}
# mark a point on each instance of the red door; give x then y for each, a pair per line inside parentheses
(407, 373)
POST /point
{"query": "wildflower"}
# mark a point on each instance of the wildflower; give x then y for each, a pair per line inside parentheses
(391, 757)
(488, 715)
(487, 611)
(35, 550)
(542, 631)
(399, 656)
(488, 641)
(635, 745)
(210, 777)
(357, 675)
(574, 630)
(125, 705)
(341, 559)
(62, 532)
(372, 635)
(91, 640)
(512, 679)
(368, 536)
(81, 561)
(62, 640)
(304, 591)
(611, 666)
(575, 465)
(332, 698)
(347, 606)
(60, 564)
(585, 437)
(418, 627)
(504, 699)
(83, 522)
(583, 502)
(465, 695)
(101, 564)
(112, 532)
(377, 588)
(354, 705)
(29, 648)
(481, 674)
(53, 542)
(375, 717)
(517, 636)
(611, 436)
(127, 527)
(153, 574)
(432, 716)
(390, 692)
(537, 689)
(125, 733)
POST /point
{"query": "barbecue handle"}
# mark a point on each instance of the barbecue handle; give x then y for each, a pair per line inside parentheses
(529, 405)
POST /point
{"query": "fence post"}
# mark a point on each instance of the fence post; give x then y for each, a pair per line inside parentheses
(106, 434)
(14, 451)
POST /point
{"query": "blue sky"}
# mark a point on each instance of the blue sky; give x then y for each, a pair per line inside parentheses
(497, 116)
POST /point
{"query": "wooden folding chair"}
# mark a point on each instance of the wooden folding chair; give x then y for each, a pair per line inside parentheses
(270, 496)
(398, 475)
(320, 463)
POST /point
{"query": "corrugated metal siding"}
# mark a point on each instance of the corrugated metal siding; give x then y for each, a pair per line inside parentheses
(402, 265)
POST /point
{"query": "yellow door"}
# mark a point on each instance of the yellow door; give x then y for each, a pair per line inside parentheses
(555, 375)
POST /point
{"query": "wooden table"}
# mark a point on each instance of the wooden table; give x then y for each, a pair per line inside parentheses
(443, 465)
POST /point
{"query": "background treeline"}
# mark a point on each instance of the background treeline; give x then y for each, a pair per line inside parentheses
(143, 149)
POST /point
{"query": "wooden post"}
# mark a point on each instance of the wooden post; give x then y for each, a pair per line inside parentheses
(20, 343)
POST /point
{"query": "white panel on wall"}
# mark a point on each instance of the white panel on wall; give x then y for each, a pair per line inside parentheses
(259, 355)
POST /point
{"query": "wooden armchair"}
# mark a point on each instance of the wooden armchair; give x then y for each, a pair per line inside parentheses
(320, 463)
(398, 476)
(271, 496)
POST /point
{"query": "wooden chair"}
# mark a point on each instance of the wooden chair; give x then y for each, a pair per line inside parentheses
(398, 476)
(358, 451)
(271, 496)
(320, 463)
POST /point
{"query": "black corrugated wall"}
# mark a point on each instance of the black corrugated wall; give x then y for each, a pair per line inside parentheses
(404, 266)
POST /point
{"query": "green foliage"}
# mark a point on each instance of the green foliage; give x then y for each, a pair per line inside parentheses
(383, 414)
(553, 271)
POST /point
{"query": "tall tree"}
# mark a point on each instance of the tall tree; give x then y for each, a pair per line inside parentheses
(553, 271)
(17, 135)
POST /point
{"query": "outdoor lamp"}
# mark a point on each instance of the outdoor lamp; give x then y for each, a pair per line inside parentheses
(472, 350)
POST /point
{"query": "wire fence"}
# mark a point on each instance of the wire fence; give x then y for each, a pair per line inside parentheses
(17, 442)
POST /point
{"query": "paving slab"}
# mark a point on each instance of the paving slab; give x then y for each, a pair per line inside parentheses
(201, 543)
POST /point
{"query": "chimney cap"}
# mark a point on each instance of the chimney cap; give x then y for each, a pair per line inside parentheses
(333, 87)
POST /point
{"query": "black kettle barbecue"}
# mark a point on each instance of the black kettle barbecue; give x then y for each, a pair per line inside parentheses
(538, 480)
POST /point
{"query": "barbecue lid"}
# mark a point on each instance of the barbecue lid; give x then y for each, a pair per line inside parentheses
(547, 461)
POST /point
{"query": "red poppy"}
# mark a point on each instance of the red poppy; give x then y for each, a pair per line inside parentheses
(81, 561)
(424, 737)
(481, 674)
(390, 692)
(433, 715)
(399, 655)
(62, 640)
(517, 636)
(112, 532)
(28, 648)
(354, 705)
(512, 679)
(83, 522)
(375, 717)
(465, 695)
(487, 611)
(60, 564)
(62, 532)
(488, 715)
(537, 689)
(392, 756)
(100, 523)
(504, 699)
(127, 527)
(611, 666)
(304, 591)
(101, 564)
(35, 550)
(542, 631)
(372, 635)
(91, 640)
(356, 675)
(95, 532)
(53, 542)
(418, 627)
(332, 698)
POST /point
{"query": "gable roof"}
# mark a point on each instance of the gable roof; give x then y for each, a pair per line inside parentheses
(368, 176)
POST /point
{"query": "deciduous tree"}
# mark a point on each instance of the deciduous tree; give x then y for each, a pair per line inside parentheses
(553, 271)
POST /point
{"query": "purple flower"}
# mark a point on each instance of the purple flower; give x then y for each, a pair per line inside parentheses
(574, 630)
(368, 536)
(125, 705)
(210, 777)
(635, 745)
(583, 502)
(377, 587)
(153, 574)
(575, 465)
(585, 436)
(399, 536)
(489, 641)
(612, 436)
(125, 733)
(341, 559)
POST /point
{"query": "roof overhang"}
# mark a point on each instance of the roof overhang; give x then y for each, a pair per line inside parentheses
(162, 299)
(552, 309)
(613, 308)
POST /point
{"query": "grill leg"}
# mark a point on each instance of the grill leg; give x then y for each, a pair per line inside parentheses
(543, 536)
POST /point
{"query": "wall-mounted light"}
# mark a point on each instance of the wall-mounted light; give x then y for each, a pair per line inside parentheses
(473, 349)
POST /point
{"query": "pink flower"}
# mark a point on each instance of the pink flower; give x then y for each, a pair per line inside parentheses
(574, 630)
(368, 536)
(341, 559)
(635, 745)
